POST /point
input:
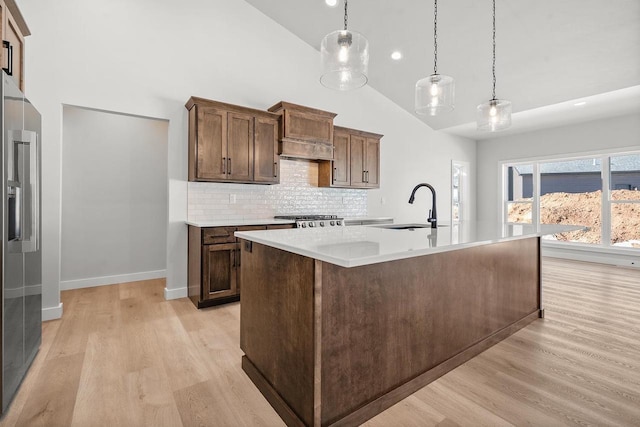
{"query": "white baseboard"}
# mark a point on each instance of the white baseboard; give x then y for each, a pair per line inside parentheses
(175, 293)
(52, 313)
(591, 255)
(111, 280)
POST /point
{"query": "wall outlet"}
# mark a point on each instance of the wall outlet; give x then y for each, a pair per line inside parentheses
(232, 199)
(344, 200)
(383, 201)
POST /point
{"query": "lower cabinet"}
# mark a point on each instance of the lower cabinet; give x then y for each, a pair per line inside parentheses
(219, 271)
(214, 263)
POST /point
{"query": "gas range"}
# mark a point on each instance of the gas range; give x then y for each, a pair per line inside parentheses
(311, 221)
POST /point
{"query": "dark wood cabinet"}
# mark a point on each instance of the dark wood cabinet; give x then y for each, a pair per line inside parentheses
(240, 147)
(214, 263)
(14, 30)
(356, 162)
(266, 158)
(341, 157)
(305, 133)
(219, 271)
(229, 143)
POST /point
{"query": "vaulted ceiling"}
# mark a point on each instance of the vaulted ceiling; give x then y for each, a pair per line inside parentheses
(550, 54)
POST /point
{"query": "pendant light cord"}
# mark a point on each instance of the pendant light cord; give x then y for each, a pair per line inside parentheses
(346, 16)
(435, 37)
(494, 50)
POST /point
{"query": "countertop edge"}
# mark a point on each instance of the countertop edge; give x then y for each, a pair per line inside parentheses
(342, 262)
(238, 222)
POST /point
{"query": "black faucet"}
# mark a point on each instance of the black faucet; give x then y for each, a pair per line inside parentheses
(433, 219)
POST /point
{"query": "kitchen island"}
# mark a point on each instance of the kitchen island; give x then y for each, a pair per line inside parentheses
(339, 324)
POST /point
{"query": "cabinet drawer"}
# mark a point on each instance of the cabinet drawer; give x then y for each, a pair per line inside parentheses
(218, 235)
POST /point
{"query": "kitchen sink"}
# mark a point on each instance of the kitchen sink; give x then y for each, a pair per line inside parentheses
(406, 226)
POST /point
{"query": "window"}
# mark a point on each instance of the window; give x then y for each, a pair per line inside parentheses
(571, 193)
(459, 191)
(624, 196)
(519, 193)
(601, 192)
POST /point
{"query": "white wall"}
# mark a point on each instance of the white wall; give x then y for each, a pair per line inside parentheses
(114, 198)
(146, 57)
(607, 134)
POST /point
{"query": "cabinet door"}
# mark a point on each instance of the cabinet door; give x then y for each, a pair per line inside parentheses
(341, 175)
(267, 166)
(357, 163)
(219, 271)
(211, 144)
(372, 163)
(240, 147)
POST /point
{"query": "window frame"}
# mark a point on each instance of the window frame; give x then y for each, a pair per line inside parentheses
(606, 202)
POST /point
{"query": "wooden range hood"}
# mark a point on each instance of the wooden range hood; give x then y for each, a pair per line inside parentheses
(305, 133)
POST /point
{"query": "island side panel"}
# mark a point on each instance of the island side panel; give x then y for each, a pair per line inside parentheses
(385, 324)
(277, 328)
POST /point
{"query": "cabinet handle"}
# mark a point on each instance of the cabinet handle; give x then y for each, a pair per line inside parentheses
(7, 45)
(275, 169)
(364, 176)
(367, 177)
(335, 173)
(224, 165)
(238, 257)
(229, 165)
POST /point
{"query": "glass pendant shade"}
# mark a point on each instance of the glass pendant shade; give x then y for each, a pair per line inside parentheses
(434, 95)
(494, 115)
(345, 60)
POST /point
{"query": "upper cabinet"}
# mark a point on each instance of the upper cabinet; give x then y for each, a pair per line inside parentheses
(14, 30)
(356, 162)
(305, 133)
(229, 143)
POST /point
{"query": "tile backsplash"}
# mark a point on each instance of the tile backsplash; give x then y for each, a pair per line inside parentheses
(297, 193)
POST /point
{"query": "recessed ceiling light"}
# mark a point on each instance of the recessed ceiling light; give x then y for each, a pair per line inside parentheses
(331, 3)
(580, 104)
(396, 55)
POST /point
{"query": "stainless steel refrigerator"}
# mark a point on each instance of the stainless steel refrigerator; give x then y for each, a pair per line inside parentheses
(21, 266)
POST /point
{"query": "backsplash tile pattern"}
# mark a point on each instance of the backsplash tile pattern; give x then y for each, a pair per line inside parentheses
(297, 193)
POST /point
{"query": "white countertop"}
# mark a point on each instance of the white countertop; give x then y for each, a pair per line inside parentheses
(363, 245)
(239, 222)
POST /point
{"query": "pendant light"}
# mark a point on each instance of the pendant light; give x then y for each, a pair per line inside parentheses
(494, 115)
(435, 94)
(345, 58)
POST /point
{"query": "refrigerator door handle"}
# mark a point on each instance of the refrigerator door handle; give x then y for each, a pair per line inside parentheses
(14, 214)
(7, 45)
(25, 171)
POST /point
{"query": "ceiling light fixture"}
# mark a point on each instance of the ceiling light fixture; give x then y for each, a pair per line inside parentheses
(494, 115)
(396, 55)
(345, 58)
(331, 3)
(435, 94)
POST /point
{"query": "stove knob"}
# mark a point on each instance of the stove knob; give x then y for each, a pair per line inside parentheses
(321, 223)
(311, 224)
(332, 223)
(338, 222)
(303, 225)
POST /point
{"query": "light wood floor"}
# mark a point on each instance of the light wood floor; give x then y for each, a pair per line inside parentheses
(123, 356)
